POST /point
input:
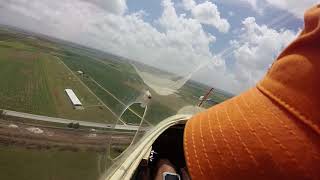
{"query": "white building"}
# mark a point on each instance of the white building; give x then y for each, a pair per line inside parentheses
(80, 72)
(74, 99)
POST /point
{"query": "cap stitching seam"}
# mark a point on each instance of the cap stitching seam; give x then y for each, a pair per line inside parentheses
(233, 155)
(240, 139)
(267, 149)
(186, 150)
(292, 132)
(290, 108)
(203, 146)
(224, 140)
(291, 156)
(253, 133)
(194, 148)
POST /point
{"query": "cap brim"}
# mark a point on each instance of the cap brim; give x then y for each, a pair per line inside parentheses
(249, 137)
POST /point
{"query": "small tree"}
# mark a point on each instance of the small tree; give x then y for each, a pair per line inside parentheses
(70, 125)
(1, 114)
(76, 125)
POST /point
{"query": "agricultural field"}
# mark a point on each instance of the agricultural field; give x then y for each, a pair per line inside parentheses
(18, 163)
(44, 69)
(34, 82)
(123, 82)
(191, 92)
(62, 78)
(23, 83)
(35, 71)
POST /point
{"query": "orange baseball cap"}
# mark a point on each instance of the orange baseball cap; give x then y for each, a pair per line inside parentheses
(272, 131)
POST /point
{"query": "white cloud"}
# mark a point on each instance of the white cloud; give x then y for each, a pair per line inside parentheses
(189, 4)
(252, 3)
(181, 44)
(207, 13)
(114, 6)
(296, 7)
(176, 43)
(256, 49)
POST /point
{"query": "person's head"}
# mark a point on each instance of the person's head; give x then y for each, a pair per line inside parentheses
(272, 131)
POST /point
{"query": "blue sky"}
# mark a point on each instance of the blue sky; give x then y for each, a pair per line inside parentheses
(234, 13)
(153, 10)
(227, 44)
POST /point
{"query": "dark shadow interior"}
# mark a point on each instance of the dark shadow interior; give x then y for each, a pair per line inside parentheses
(169, 145)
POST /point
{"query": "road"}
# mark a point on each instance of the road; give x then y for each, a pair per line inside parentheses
(67, 121)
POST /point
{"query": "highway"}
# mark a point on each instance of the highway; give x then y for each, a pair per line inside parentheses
(67, 121)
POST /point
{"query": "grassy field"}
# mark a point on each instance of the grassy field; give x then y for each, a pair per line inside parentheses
(23, 83)
(191, 92)
(35, 71)
(19, 163)
(110, 75)
(44, 60)
(124, 83)
(60, 78)
(34, 82)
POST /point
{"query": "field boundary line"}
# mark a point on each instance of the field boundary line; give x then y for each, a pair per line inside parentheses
(91, 91)
(118, 99)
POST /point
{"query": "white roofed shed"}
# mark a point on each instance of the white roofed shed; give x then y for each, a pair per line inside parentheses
(74, 99)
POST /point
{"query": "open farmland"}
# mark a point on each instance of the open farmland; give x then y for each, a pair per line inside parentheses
(105, 89)
(112, 76)
(23, 83)
(20, 163)
(60, 79)
(35, 71)
(32, 81)
(192, 91)
(123, 82)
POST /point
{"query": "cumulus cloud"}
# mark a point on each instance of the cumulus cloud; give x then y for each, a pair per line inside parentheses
(207, 13)
(114, 6)
(296, 7)
(253, 4)
(178, 44)
(175, 42)
(256, 49)
(189, 4)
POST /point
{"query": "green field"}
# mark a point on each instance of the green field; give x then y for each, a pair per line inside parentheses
(23, 83)
(111, 76)
(123, 82)
(20, 163)
(60, 79)
(34, 82)
(52, 67)
(35, 71)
